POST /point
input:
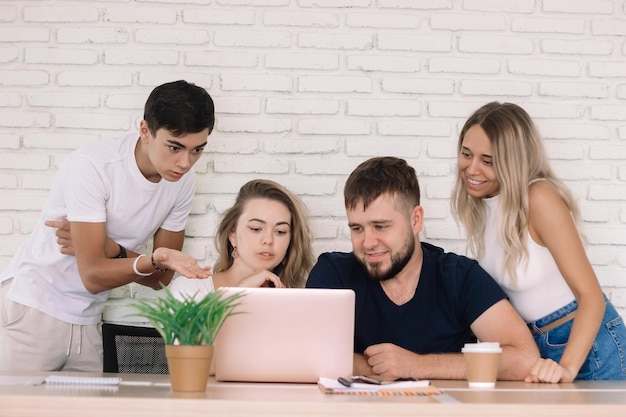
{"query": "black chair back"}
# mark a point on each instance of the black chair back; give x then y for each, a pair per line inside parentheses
(133, 350)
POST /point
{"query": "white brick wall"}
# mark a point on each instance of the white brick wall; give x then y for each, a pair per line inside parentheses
(307, 89)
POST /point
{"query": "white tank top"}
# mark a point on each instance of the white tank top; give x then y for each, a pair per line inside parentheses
(182, 287)
(540, 288)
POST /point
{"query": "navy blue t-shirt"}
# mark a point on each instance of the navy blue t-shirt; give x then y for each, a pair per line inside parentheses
(452, 292)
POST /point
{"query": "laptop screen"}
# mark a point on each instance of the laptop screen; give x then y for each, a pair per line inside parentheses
(287, 335)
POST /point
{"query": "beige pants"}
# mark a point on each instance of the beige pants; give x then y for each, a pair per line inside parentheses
(32, 340)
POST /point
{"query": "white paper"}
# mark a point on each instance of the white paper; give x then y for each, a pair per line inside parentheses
(335, 385)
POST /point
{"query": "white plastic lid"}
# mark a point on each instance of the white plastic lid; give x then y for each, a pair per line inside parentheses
(482, 347)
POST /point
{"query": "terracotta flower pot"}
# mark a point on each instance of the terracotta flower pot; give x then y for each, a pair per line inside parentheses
(188, 366)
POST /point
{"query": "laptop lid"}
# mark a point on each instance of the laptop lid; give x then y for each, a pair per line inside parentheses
(286, 335)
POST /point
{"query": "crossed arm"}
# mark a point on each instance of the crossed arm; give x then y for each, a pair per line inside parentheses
(500, 323)
(101, 270)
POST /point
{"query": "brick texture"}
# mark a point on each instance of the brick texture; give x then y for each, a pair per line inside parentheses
(305, 90)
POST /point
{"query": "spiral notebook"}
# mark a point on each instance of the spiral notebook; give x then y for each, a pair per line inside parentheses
(287, 335)
(82, 380)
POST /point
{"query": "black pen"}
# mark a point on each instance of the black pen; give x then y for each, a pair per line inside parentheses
(345, 382)
(368, 380)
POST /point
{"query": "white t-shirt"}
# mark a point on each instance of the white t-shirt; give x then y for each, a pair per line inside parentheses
(97, 183)
(540, 288)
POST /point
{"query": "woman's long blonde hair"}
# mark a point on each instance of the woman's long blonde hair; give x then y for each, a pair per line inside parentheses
(298, 260)
(518, 159)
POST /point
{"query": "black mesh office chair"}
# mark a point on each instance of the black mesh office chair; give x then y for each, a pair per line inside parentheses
(133, 350)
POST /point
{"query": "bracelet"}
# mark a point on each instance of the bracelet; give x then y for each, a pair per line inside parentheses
(154, 265)
(136, 271)
(122, 252)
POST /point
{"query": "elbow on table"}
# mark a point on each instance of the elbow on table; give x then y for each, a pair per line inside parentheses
(521, 361)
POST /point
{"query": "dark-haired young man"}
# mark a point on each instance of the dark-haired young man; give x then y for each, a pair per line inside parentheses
(415, 304)
(116, 194)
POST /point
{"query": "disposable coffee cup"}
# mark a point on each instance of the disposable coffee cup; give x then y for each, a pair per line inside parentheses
(481, 363)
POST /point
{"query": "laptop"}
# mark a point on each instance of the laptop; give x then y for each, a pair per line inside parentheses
(286, 335)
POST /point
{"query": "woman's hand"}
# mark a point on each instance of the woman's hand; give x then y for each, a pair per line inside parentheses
(547, 370)
(180, 262)
(261, 278)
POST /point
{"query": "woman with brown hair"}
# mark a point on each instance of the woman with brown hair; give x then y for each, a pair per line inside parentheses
(263, 240)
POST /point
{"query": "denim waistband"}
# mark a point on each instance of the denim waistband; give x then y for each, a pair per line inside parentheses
(555, 315)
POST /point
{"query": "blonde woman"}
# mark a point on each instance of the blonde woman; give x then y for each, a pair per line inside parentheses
(263, 240)
(523, 225)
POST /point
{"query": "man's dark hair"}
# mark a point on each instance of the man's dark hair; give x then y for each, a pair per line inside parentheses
(378, 176)
(180, 108)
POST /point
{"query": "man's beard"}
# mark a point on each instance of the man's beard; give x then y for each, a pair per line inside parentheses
(398, 262)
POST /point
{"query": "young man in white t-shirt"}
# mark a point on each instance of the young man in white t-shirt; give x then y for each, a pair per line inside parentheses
(116, 194)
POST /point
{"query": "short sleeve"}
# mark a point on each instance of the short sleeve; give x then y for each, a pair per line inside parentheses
(85, 190)
(479, 292)
(324, 273)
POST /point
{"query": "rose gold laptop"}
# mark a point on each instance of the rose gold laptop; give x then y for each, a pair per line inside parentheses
(287, 335)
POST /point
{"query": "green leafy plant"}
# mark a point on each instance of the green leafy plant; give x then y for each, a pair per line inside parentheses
(187, 320)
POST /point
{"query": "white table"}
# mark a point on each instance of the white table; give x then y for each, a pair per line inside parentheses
(151, 395)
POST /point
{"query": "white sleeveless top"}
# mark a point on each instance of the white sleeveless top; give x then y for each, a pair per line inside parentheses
(540, 288)
(182, 287)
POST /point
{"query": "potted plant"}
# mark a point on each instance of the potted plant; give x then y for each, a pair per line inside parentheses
(188, 326)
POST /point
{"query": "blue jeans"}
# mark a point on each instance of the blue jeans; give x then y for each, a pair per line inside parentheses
(607, 357)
